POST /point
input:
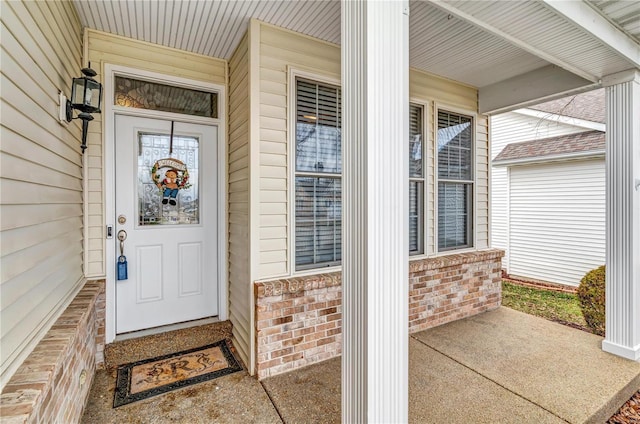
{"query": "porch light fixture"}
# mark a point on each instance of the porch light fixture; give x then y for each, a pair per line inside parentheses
(86, 95)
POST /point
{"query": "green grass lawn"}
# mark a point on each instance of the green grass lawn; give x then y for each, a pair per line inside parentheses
(554, 306)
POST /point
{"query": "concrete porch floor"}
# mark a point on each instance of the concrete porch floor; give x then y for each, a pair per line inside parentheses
(502, 366)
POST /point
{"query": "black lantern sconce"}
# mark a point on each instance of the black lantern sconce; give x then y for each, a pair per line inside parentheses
(86, 95)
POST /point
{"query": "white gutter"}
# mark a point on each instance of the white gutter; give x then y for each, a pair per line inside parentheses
(591, 154)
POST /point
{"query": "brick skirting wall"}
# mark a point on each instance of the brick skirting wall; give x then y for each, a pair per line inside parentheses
(53, 383)
(447, 288)
(298, 320)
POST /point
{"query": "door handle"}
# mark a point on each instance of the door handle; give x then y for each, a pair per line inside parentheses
(122, 236)
(122, 261)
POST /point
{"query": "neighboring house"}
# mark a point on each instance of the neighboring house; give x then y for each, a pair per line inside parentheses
(217, 159)
(548, 188)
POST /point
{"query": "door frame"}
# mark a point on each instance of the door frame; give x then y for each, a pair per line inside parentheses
(109, 113)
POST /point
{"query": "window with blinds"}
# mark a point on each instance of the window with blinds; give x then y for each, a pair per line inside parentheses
(416, 181)
(318, 169)
(455, 180)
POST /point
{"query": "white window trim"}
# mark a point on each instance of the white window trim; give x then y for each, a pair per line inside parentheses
(425, 105)
(474, 116)
(295, 73)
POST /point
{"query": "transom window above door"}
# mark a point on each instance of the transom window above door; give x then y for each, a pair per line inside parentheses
(140, 94)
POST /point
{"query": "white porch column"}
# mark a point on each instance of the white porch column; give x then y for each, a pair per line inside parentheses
(375, 76)
(623, 216)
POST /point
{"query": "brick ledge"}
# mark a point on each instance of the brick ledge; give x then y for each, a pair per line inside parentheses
(297, 284)
(454, 259)
(292, 285)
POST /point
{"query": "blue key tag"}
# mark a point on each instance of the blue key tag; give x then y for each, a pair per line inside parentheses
(122, 268)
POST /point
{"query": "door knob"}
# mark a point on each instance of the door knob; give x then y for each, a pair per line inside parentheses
(122, 236)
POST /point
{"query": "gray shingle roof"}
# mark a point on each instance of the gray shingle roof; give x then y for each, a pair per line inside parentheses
(589, 106)
(547, 147)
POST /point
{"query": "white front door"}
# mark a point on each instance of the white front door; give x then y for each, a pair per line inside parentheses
(166, 185)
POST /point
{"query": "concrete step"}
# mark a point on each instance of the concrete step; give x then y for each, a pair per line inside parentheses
(151, 346)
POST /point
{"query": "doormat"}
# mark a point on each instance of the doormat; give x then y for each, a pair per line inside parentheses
(151, 377)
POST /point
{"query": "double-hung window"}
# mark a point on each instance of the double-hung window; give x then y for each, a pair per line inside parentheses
(318, 169)
(416, 181)
(455, 181)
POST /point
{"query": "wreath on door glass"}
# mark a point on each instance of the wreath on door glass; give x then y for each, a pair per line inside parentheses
(170, 175)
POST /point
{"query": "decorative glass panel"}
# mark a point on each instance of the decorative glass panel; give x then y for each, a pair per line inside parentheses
(454, 220)
(318, 220)
(140, 94)
(454, 147)
(168, 183)
(318, 137)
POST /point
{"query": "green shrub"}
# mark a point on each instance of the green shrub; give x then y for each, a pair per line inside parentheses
(591, 296)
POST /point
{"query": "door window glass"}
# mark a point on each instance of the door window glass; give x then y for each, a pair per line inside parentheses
(168, 182)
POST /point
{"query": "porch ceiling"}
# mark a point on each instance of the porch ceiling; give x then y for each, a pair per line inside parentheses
(625, 14)
(494, 46)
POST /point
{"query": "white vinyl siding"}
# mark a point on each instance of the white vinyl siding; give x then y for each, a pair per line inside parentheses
(240, 292)
(40, 174)
(506, 128)
(438, 92)
(111, 49)
(557, 220)
(482, 168)
(281, 50)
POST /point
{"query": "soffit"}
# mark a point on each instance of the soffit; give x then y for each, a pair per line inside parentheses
(541, 28)
(625, 14)
(446, 45)
(211, 28)
(441, 41)
(440, 44)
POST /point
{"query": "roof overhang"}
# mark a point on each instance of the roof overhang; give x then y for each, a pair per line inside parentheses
(516, 53)
(584, 16)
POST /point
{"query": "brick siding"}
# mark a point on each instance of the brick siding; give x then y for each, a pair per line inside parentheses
(101, 303)
(451, 287)
(53, 383)
(298, 320)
